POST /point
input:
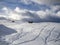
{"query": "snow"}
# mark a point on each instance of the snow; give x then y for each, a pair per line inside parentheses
(29, 22)
(44, 33)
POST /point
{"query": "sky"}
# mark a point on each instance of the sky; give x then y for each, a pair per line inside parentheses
(23, 9)
(48, 1)
(28, 4)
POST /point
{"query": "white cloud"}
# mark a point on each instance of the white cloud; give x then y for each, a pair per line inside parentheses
(58, 13)
(46, 1)
(11, 14)
(18, 10)
(27, 2)
(14, 16)
(55, 7)
(19, 14)
(42, 14)
(5, 8)
(40, 1)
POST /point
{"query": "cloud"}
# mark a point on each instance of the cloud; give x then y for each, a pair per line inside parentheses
(27, 2)
(5, 9)
(55, 8)
(58, 13)
(15, 14)
(41, 13)
(18, 10)
(10, 14)
(28, 15)
(48, 2)
(49, 15)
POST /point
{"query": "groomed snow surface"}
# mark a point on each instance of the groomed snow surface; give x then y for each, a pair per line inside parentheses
(43, 33)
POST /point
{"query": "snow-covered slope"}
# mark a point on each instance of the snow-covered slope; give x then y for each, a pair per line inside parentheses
(29, 22)
(45, 33)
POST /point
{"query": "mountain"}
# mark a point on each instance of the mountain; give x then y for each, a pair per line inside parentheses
(44, 33)
(5, 30)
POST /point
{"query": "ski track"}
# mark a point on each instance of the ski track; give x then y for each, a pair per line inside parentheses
(44, 32)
